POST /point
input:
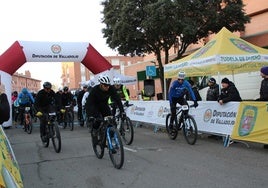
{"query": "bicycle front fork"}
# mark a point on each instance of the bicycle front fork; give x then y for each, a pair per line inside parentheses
(109, 137)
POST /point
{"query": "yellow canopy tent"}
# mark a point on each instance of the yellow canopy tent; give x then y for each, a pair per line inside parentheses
(225, 54)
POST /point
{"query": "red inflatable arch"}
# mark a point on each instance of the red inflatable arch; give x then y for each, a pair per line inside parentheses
(26, 51)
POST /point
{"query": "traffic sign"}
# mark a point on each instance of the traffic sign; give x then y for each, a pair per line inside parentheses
(150, 71)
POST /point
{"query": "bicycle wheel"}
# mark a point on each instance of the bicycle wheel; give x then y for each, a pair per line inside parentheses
(55, 136)
(127, 131)
(115, 146)
(171, 133)
(70, 121)
(190, 130)
(98, 144)
(28, 124)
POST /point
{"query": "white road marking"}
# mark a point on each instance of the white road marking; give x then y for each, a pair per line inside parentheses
(129, 149)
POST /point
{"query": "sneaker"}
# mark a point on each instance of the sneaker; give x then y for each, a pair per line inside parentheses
(265, 146)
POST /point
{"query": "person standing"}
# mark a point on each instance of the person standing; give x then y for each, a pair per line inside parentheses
(264, 84)
(264, 89)
(213, 90)
(79, 105)
(228, 92)
(144, 97)
(4, 108)
(14, 108)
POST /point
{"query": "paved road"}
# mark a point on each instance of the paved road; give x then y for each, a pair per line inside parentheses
(152, 161)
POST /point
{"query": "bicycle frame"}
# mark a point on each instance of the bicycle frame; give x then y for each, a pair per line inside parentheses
(182, 111)
(183, 121)
(52, 132)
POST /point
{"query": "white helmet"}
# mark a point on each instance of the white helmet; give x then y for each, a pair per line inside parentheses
(104, 79)
(117, 81)
(181, 75)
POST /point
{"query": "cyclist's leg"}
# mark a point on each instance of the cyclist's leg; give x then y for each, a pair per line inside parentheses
(173, 112)
(42, 128)
(79, 113)
(21, 111)
(182, 101)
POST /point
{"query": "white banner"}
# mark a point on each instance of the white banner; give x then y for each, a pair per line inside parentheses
(209, 115)
(54, 51)
(125, 80)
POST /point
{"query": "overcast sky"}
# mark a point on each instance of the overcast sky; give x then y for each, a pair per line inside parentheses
(51, 20)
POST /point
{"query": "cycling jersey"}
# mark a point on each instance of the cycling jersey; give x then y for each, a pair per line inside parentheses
(97, 101)
(178, 90)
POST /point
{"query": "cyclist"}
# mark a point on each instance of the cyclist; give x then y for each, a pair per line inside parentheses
(121, 91)
(45, 101)
(177, 92)
(67, 98)
(25, 99)
(84, 99)
(79, 104)
(97, 101)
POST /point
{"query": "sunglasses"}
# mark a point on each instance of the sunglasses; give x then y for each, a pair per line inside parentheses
(180, 79)
(106, 85)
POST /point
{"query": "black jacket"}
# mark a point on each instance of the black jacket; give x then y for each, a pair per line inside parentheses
(46, 102)
(97, 101)
(4, 108)
(230, 94)
(213, 93)
(264, 90)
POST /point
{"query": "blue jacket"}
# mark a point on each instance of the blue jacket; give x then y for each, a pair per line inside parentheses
(178, 90)
(25, 98)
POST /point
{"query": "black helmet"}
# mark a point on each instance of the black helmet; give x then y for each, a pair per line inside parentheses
(47, 85)
(65, 88)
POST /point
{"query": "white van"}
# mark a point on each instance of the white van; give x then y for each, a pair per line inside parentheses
(248, 84)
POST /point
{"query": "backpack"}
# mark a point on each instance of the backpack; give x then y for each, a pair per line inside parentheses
(25, 99)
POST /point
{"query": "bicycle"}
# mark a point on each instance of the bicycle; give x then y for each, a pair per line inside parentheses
(183, 121)
(27, 120)
(68, 117)
(52, 132)
(107, 136)
(125, 126)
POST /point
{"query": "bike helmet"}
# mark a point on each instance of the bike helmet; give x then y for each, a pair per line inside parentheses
(65, 88)
(117, 81)
(24, 91)
(47, 85)
(104, 79)
(181, 75)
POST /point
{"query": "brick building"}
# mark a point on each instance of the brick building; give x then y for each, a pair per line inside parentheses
(20, 81)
